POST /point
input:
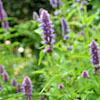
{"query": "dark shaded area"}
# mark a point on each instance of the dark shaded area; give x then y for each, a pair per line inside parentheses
(22, 10)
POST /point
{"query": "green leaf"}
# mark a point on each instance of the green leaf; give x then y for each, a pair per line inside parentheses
(41, 57)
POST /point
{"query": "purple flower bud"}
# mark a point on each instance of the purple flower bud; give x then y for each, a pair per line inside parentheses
(81, 8)
(13, 82)
(66, 37)
(60, 86)
(76, 99)
(70, 48)
(94, 51)
(19, 88)
(65, 27)
(74, 0)
(5, 77)
(1, 69)
(84, 2)
(53, 3)
(1, 86)
(49, 50)
(57, 13)
(40, 10)
(35, 16)
(85, 74)
(27, 87)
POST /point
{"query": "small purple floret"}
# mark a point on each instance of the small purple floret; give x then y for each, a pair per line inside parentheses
(60, 86)
(65, 27)
(66, 37)
(85, 74)
(70, 48)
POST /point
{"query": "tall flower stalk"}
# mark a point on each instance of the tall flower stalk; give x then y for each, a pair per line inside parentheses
(3, 16)
(94, 51)
(46, 26)
(27, 88)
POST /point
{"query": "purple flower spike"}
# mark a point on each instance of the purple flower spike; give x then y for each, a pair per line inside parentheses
(27, 88)
(13, 82)
(3, 15)
(65, 27)
(19, 88)
(60, 86)
(85, 74)
(76, 99)
(1, 69)
(35, 16)
(94, 51)
(5, 77)
(46, 26)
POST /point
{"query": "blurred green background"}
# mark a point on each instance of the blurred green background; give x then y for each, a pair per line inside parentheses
(22, 10)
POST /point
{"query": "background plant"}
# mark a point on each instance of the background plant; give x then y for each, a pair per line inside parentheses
(58, 75)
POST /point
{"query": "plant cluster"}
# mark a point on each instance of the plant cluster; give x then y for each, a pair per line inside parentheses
(54, 56)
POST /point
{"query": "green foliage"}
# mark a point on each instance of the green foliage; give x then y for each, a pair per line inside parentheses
(22, 10)
(61, 66)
